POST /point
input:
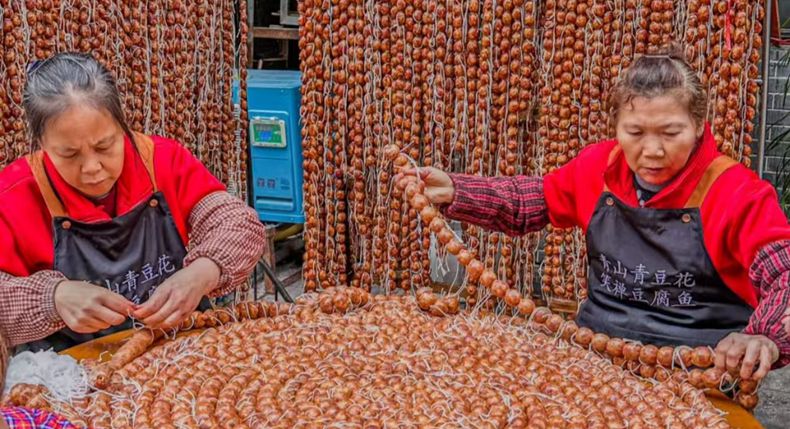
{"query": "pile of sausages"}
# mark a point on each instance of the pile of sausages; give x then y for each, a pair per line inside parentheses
(345, 357)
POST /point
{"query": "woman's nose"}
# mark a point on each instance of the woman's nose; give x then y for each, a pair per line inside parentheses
(91, 166)
(653, 148)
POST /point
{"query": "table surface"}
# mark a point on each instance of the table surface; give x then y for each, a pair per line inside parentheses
(104, 347)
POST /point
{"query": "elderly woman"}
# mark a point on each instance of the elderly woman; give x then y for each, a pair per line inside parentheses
(102, 223)
(685, 245)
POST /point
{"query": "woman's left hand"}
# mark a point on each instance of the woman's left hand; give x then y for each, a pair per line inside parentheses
(746, 351)
(179, 295)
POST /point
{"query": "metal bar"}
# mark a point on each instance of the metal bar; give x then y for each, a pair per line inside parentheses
(291, 279)
(250, 34)
(764, 94)
(255, 283)
(278, 286)
(279, 33)
(285, 15)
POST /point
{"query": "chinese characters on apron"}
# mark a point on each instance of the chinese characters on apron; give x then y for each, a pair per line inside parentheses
(131, 254)
(650, 277)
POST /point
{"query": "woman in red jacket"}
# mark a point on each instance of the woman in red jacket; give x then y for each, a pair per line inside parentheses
(685, 245)
(102, 223)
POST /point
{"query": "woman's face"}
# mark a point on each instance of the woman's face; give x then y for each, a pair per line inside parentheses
(86, 146)
(657, 136)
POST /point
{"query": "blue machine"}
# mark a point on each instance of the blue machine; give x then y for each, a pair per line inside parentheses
(273, 101)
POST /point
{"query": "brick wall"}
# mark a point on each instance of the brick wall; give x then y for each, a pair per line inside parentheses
(778, 115)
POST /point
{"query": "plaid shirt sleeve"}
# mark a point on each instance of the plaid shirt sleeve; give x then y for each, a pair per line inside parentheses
(4, 360)
(770, 273)
(23, 418)
(27, 306)
(514, 205)
(227, 231)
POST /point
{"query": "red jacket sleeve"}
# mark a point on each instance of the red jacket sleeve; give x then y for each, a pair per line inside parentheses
(572, 190)
(740, 215)
(11, 258)
(183, 180)
(27, 302)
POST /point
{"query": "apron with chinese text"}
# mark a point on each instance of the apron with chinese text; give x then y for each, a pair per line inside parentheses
(650, 276)
(131, 254)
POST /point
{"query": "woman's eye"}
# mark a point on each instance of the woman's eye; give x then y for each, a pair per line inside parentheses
(672, 134)
(635, 133)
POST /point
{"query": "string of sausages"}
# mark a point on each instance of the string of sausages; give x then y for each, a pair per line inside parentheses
(175, 62)
(492, 88)
(694, 365)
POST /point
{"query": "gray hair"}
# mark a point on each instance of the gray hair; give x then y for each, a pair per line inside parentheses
(665, 73)
(64, 80)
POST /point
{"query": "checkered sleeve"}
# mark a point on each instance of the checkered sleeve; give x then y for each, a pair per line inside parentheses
(27, 306)
(514, 205)
(224, 229)
(23, 418)
(4, 360)
(770, 274)
(18, 418)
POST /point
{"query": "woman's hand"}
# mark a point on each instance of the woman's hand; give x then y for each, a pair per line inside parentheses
(439, 187)
(179, 295)
(753, 349)
(87, 308)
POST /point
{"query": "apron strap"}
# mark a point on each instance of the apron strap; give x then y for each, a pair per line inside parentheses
(54, 205)
(612, 156)
(714, 170)
(145, 147)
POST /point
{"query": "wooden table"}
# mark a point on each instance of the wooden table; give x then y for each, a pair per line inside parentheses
(738, 417)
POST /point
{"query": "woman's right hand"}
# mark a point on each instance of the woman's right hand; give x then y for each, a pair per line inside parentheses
(87, 308)
(439, 187)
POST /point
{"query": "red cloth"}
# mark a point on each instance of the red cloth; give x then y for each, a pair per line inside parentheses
(23, 418)
(107, 203)
(24, 217)
(739, 216)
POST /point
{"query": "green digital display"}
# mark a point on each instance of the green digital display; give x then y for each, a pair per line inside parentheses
(267, 132)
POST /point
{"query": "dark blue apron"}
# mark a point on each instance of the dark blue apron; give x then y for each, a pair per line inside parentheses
(650, 276)
(131, 254)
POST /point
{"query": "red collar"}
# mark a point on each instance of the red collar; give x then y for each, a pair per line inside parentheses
(619, 177)
(132, 187)
(109, 202)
